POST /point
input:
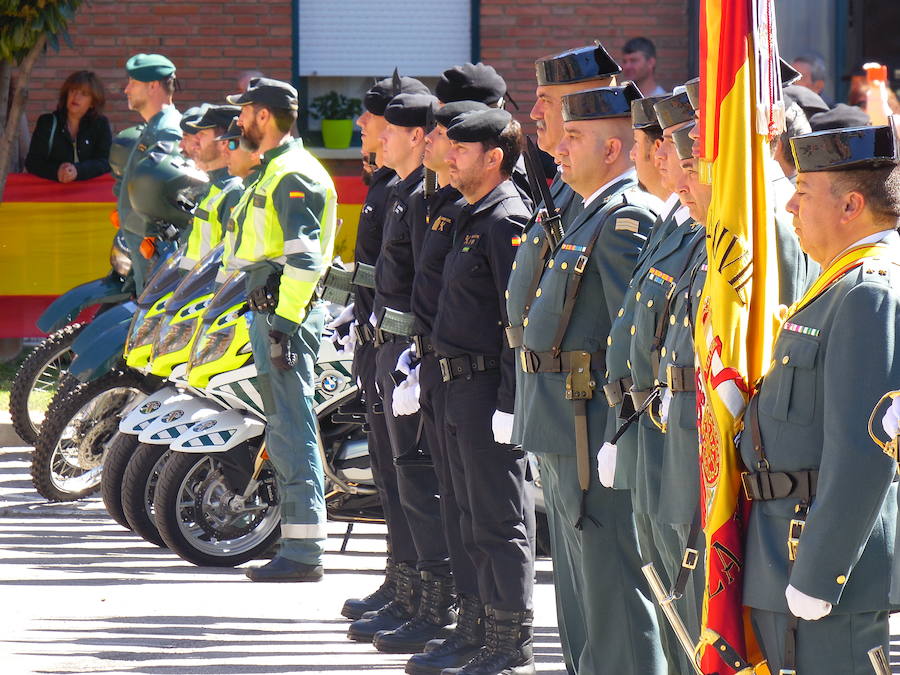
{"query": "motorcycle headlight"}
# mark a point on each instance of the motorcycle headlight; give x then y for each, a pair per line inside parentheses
(120, 261)
(175, 337)
(212, 346)
(145, 331)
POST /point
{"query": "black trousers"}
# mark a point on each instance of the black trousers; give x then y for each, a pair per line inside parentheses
(417, 486)
(495, 506)
(432, 399)
(399, 539)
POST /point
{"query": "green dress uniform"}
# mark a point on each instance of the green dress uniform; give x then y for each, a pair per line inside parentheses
(606, 595)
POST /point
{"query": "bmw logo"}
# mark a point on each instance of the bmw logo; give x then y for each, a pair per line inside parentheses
(150, 407)
(331, 381)
(172, 416)
(203, 426)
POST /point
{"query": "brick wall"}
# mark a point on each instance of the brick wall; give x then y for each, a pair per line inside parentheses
(210, 41)
(516, 32)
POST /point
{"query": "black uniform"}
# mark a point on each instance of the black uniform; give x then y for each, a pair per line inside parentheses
(404, 231)
(496, 511)
(368, 247)
(442, 211)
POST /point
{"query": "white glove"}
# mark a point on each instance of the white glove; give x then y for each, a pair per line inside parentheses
(348, 342)
(805, 606)
(372, 319)
(405, 400)
(502, 425)
(891, 420)
(404, 363)
(664, 403)
(606, 464)
(346, 316)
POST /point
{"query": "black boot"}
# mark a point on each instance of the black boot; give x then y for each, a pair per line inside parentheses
(394, 614)
(355, 608)
(509, 646)
(459, 648)
(430, 621)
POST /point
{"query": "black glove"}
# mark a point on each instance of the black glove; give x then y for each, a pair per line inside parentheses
(280, 353)
(264, 299)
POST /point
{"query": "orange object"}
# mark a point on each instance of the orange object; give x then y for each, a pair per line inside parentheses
(148, 247)
(875, 72)
(114, 218)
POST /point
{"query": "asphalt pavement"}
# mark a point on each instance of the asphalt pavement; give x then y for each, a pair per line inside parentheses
(80, 594)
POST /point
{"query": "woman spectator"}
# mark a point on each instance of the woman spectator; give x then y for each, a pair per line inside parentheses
(72, 142)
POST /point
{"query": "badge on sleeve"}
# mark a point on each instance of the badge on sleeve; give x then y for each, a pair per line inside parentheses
(441, 223)
(627, 224)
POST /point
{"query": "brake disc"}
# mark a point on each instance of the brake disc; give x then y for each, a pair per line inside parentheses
(214, 512)
(92, 443)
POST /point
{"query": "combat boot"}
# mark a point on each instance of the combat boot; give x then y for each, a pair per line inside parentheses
(508, 649)
(459, 648)
(394, 614)
(431, 619)
(355, 608)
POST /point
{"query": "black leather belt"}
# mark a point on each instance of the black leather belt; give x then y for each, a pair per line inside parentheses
(615, 391)
(680, 379)
(763, 486)
(515, 336)
(423, 345)
(382, 336)
(548, 362)
(463, 366)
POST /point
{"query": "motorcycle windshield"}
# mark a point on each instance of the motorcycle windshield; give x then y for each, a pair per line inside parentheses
(163, 281)
(233, 292)
(199, 281)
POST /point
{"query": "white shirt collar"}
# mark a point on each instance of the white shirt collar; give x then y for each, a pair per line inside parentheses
(631, 173)
(682, 215)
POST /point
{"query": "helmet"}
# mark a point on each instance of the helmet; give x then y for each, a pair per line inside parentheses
(121, 147)
(165, 186)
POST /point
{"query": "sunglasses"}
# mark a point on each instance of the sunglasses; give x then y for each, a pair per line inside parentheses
(234, 144)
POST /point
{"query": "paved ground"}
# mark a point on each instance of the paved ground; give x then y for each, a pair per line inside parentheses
(82, 595)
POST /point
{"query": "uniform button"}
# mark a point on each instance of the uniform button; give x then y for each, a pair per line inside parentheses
(841, 579)
(536, 241)
(564, 266)
(699, 292)
(537, 293)
(687, 322)
(514, 264)
(649, 303)
(609, 341)
(785, 360)
(663, 351)
(637, 296)
(525, 322)
(621, 311)
(632, 329)
(506, 294)
(550, 264)
(672, 319)
(628, 363)
(674, 356)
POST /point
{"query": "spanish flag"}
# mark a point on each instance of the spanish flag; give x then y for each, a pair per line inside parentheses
(741, 108)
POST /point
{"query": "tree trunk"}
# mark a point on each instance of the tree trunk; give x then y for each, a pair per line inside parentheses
(5, 75)
(20, 95)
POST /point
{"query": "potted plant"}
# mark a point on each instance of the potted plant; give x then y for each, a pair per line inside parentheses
(336, 112)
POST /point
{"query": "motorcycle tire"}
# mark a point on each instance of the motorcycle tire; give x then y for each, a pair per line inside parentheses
(117, 457)
(138, 485)
(79, 428)
(184, 476)
(41, 372)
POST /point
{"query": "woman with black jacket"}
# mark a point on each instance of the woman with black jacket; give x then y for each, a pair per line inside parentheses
(72, 142)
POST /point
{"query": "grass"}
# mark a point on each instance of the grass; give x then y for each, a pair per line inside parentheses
(8, 370)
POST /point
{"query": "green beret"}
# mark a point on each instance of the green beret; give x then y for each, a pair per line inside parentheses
(149, 67)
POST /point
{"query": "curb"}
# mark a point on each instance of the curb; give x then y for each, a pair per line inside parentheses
(8, 435)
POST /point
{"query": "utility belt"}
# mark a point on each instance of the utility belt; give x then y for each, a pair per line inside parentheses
(393, 326)
(423, 345)
(515, 335)
(680, 379)
(455, 367)
(337, 286)
(616, 390)
(563, 362)
(764, 486)
(365, 333)
(364, 275)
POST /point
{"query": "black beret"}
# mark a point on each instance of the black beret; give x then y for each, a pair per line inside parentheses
(576, 65)
(684, 144)
(410, 110)
(839, 117)
(215, 116)
(471, 82)
(445, 115)
(839, 149)
(808, 100)
(643, 116)
(191, 115)
(601, 103)
(377, 98)
(692, 88)
(674, 110)
(478, 125)
(233, 131)
(267, 92)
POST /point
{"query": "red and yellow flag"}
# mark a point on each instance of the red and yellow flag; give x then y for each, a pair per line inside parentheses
(735, 328)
